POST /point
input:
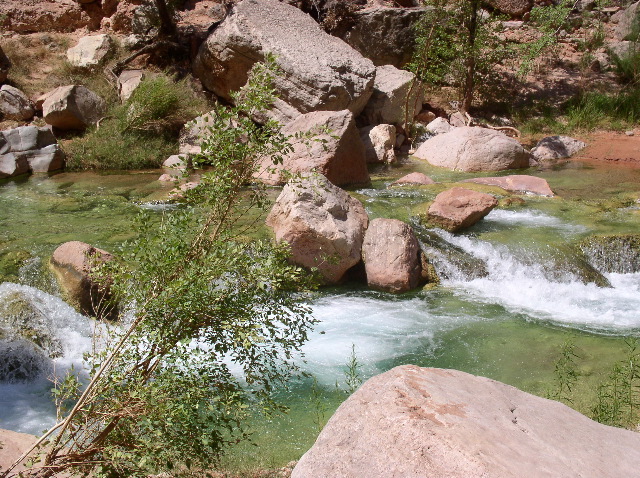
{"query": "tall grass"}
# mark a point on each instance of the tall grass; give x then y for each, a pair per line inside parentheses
(142, 132)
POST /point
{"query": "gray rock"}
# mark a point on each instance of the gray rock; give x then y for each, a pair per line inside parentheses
(5, 65)
(14, 104)
(29, 148)
(72, 107)
(623, 49)
(90, 51)
(392, 256)
(426, 422)
(379, 142)
(557, 147)
(384, 35)
(387, 103)
(628, 23)
(319, 71)
(474, 149)
(128, 81)
(439, 126)
(330, 145)
(323, 225)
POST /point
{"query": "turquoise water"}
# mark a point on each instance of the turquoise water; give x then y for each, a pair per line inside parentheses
(508, 325)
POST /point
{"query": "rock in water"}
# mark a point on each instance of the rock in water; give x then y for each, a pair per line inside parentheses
(72, 107)
(459, 208)
(426, 422)
(323, 224)
(319, 71)
(474, 149)
(518, 183)
(327, 142)
(413, 179)
(392, 256)
(73, 263)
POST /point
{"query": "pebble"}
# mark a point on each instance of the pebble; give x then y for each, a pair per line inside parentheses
(629, 133)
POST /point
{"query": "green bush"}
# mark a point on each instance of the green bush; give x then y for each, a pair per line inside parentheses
(142, 132)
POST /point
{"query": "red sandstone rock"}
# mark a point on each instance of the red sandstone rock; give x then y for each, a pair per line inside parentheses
(459, 208)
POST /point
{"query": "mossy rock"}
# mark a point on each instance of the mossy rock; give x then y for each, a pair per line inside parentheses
(10, 264)
(618, 253)
(21, 319)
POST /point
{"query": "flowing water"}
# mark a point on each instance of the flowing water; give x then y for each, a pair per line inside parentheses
(514, 288)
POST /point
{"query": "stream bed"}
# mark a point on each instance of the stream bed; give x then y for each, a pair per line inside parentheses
(508, 323)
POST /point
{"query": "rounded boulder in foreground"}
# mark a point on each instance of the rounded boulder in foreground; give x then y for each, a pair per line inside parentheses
(474, 149)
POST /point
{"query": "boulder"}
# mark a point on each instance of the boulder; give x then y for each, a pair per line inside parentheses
(427, 422)
(615, 253)
(389, 98)
(90, 51)
(14, 104)
(379, 142)
(518, 183)
(5, 65)
(392, 256)
(557, 147)
(384, 35)
(74, 262)
(459, 208)
(29, 148)
(623, 49)
(628, 23)
(14, 444)
(72, 107)
(318, 71)
(514, 8)
(415, 178)
(337, 152)
(128, 81)
(323, 225)
(439, 126)
(474, 149)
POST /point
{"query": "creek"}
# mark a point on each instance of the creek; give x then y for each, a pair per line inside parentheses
(513, 290)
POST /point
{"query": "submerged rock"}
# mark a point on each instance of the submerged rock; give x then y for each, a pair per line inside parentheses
(618, 253)
(323, 224)
(413, 179)
(474, 149)
(459, 208)
(518, 183)
(21, 360)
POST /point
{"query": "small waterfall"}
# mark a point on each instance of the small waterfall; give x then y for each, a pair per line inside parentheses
(40, 336)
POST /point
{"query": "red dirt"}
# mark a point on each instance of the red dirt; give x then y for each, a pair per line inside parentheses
(616, 149)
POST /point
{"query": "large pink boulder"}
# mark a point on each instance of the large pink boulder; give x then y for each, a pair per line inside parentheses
(74, 262)
(518, 183)
(392, 256)
(323, 224)
(326, 142)
(471, 148)
(459, 208)
(428, 422)
(13, 445)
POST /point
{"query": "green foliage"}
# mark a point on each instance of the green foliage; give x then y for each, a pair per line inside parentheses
(352, 376)
(627, 67)
(456, 44)
(618, 399)
(146, 127)
(209, 324)
(565, 373)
